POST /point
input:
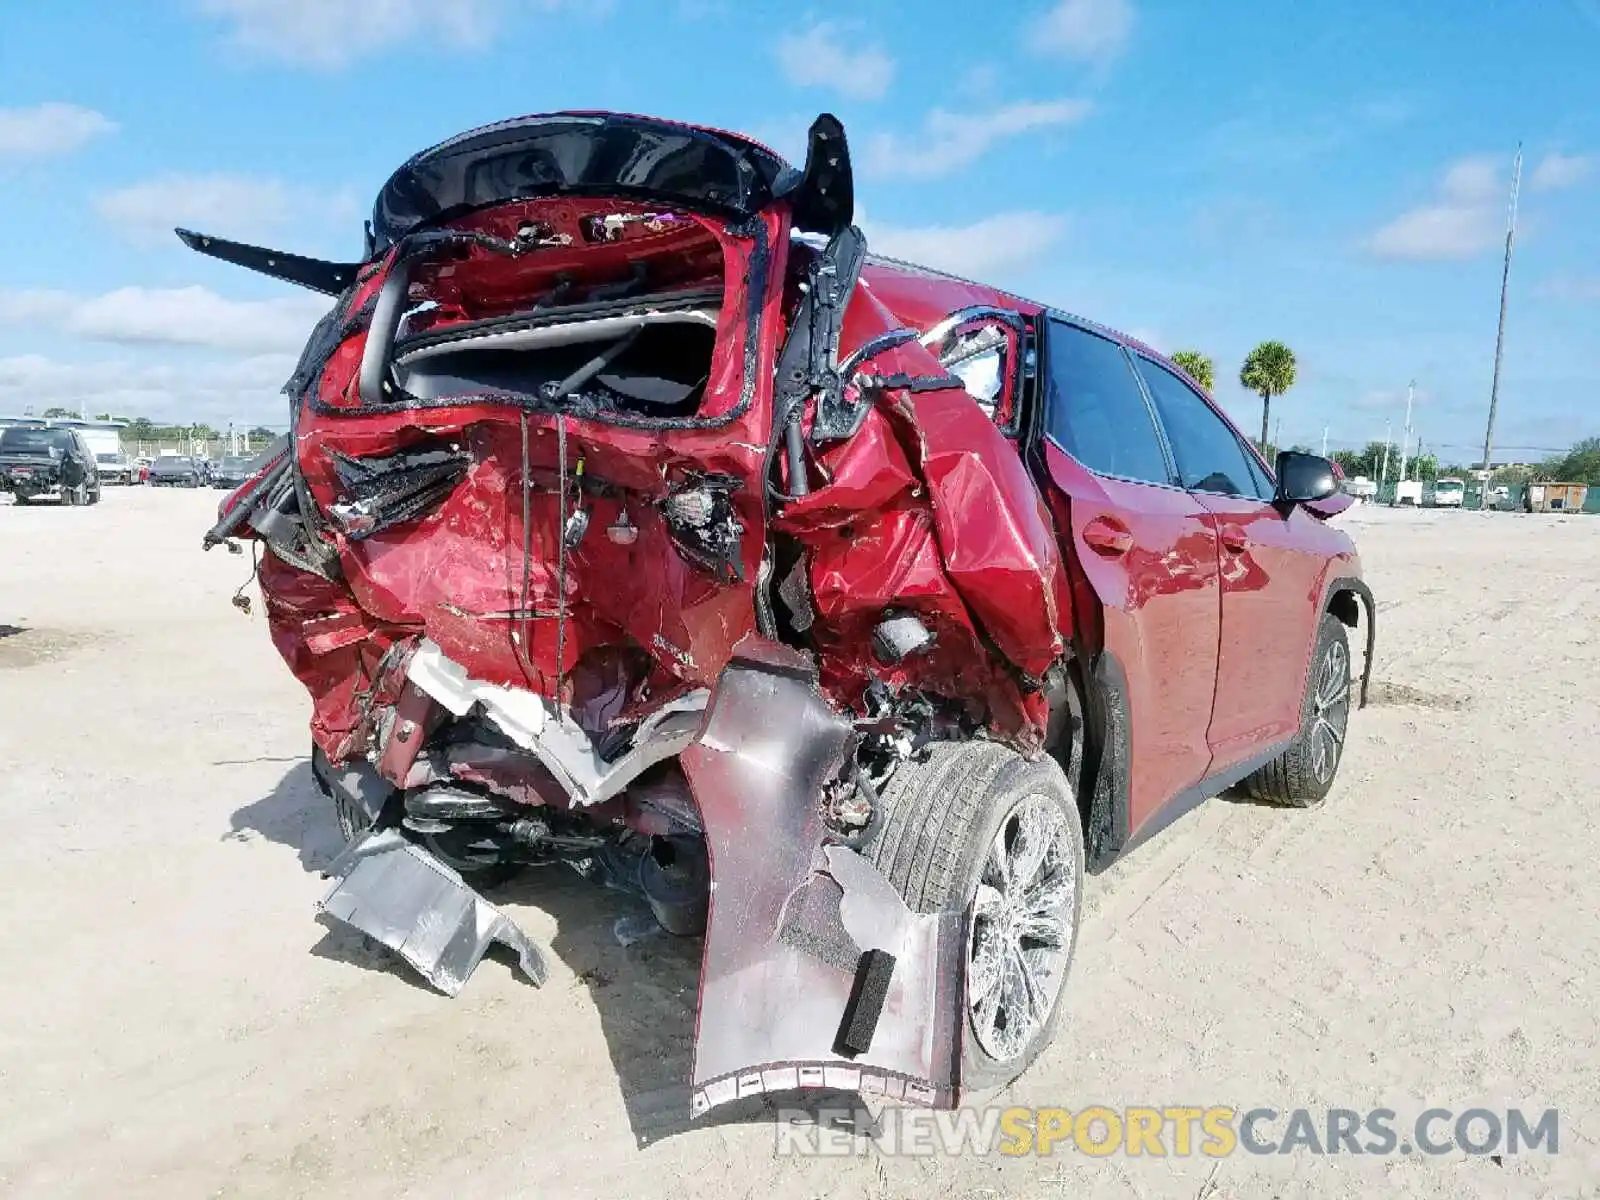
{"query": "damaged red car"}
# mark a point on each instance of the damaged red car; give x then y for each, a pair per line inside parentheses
(636, 517)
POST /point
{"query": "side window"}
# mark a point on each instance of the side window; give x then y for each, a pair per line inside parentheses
(1209, 456)
(1095, 409)
(1266, 489)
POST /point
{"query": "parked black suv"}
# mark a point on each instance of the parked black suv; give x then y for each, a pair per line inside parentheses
(43, 460)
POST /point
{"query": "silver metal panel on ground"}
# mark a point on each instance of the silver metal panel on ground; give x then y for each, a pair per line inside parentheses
(400, 895)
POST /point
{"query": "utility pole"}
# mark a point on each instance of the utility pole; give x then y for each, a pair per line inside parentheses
(1388, 437)
(1500, 335)
(1405, 436)
(1277, 434)
(1324, 441)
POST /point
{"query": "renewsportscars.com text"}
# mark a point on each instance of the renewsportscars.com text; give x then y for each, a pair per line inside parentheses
(1216, 1131)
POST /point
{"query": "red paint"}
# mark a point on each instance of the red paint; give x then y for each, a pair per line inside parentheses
(1274, 563)
(1014, 555)
(1149, 557)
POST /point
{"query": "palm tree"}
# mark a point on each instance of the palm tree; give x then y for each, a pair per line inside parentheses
(1200, 368)
(1269, 370)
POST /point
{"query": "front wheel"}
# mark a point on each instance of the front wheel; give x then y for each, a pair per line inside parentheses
(1301, 776)
(976, 828)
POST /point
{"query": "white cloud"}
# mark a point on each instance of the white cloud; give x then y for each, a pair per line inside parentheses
(1560, 170)
(952, 140)
(245, 390)
(330, 34)
(981, 250)
(823, 56)
(49, 129)
(188, 316)
(226, 205)
(1467, 217)
(1437, 233)
(1570, 287)
(1474, 180)
(1091, 30)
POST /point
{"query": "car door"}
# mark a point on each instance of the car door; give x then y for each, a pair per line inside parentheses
(1272, 566)
(1144, 549)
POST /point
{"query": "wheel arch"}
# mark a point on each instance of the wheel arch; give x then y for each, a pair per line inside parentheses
(1345, 597)
(1089, 719)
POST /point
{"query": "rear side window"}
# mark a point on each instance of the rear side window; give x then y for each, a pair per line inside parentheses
(1208, 454)
(1096, 412)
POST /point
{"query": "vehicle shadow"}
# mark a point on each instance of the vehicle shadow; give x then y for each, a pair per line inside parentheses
(292, 814)
(645, 992)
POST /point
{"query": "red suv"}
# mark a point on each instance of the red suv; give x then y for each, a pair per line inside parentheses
(635, 517)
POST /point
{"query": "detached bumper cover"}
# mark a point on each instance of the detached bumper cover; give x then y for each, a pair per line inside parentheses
(815, 973)
(402, 896)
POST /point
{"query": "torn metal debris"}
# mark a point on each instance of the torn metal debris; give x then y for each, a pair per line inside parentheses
(397, 893)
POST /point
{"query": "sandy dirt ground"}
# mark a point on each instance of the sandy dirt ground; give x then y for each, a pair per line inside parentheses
(174, 1022)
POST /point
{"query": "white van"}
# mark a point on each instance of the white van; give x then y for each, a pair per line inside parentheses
(1448, 492)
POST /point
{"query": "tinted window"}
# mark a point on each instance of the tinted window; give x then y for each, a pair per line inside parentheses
(1209, 456)
(1096, 410)
(1265, 487)
(25, 440)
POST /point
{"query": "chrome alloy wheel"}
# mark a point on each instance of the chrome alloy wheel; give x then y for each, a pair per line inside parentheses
(1330, 710)
(1022, 927)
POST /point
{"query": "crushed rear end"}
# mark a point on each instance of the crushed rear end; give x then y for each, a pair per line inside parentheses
(625, 523)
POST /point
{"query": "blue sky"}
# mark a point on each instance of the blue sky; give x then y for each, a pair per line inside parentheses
(1333, 176)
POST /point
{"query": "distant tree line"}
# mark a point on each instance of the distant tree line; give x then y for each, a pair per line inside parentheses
(1581, 464)
(1269, 370)
(142, 429)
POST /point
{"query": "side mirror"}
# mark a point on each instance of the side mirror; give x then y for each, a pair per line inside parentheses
(1304, 477)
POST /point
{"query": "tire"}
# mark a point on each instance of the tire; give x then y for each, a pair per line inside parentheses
(948, 825)
(353, 820)
(76, 495)
(1301, 776)
(94, 496)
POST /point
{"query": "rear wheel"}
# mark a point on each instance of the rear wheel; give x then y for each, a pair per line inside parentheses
(977, 828)
(1301, 776)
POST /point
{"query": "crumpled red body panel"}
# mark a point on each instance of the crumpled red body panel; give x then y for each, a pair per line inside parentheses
(926, 509)
(458, 571)
(999, 544)
(334, 648)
